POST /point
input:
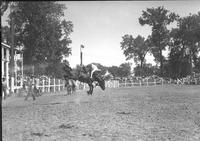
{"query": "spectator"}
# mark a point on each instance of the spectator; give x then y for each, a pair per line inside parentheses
(30, 91)
(4, 87)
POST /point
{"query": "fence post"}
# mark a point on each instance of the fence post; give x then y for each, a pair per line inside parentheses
(54, 85)
(125, 83)
(49, 86)
(154, 81)
(140, 83)
(59, 85)
(37, 83)
(147, 82)
(43, 87)
(84, 86)
(162, 80)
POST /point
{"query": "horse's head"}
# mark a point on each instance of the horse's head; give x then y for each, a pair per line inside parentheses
(102, 84)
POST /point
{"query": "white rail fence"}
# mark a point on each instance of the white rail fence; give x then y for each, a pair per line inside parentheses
(47, 85)
(55, 85)
(50, 85)
(131, 83)
(150, 82)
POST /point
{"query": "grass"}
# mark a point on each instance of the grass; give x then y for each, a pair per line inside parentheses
(154, 113)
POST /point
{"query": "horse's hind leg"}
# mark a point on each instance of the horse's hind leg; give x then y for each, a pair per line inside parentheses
(91, 89)
(88, 92)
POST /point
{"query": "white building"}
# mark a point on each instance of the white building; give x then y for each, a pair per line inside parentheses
(18, 66)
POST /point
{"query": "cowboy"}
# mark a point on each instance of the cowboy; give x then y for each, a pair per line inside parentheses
(71, 86)
(4, 87)
(94, 68)
(30, 91)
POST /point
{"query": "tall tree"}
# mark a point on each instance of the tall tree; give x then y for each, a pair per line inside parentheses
(41, 31)
(158, 19)
(4, 6)
(135, 48)
(185, 44)
(124, 70)
(146, 70)
(114, 70)
(197, 67)
(191, 35)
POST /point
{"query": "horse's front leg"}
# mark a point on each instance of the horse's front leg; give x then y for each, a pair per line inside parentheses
(89, 89)
(92, 87)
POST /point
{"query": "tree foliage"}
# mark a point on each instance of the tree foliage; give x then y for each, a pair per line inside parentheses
(158, 19)
(39, 28)
(4, 6)
(185, 45)
(135, 48)
(146, 70)
(124, 70)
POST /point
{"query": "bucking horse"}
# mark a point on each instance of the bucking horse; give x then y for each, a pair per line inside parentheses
(83, 76)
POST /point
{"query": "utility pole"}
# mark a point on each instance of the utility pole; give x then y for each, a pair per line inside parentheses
(81, 55)
(12, 54)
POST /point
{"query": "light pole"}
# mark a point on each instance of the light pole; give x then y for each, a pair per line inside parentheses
(12, 53)
(81, 55)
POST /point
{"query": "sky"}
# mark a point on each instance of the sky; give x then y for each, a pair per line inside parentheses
(100, 25)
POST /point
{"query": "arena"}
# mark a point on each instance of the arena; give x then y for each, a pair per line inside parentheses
(147, 113)
(100, 71)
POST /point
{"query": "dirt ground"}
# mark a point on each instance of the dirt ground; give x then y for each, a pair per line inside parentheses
(154, 113)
